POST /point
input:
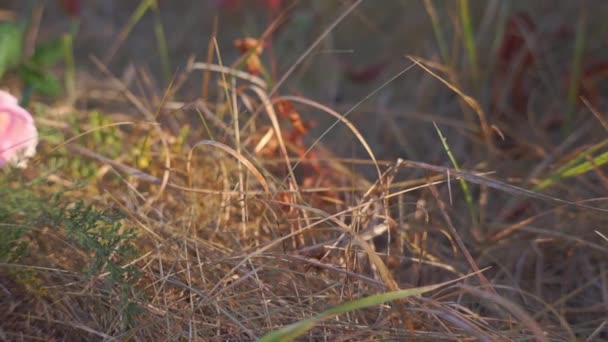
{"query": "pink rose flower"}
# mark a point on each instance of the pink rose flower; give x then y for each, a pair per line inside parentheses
(18, 135)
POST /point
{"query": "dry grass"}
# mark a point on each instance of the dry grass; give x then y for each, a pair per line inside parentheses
(241, 227)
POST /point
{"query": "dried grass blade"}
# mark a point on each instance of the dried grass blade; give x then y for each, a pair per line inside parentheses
(249, 165)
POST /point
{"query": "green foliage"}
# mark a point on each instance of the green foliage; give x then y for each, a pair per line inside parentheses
(19, 208)
(10, 46)
(293, 331)
(469, 36)
(39, 79)
(70, 68)
(107, 138)
(99, 234)
(138, 14)
(463, 184)
(34, 70)
(438, 30)
(48, 53)
(588, 160)
(102, 138)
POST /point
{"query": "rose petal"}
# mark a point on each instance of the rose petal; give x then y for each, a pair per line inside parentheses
(18, 134)
(7, 99)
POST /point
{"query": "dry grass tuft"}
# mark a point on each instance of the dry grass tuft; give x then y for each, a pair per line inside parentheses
(223, 218)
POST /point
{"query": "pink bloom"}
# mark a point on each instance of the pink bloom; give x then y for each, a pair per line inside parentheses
(18, 135)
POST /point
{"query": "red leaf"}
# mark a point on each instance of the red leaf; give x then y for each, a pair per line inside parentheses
(273, 5)
(71, 7)
(593, 73)
(518, 25)
(365, 74)
(515, 59)
(516, 213)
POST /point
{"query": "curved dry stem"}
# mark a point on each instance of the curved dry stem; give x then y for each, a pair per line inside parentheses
(458, 320)
(272, 115)
(485, 128)
(92, 130)
(312, 46)
(340, 118)
(548, 307)
(325, 217)
(167, 153)
(232, 72)
(514, 309)
(249, 165)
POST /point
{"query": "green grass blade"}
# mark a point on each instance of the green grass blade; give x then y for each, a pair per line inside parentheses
(291, 332)
(587, 166)
(437, 29)
(463, 184)
(161, 40)
(143, 7)
(469, 36)
(70, 67)
(501, 25)
(583, 156)
(579, 165)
